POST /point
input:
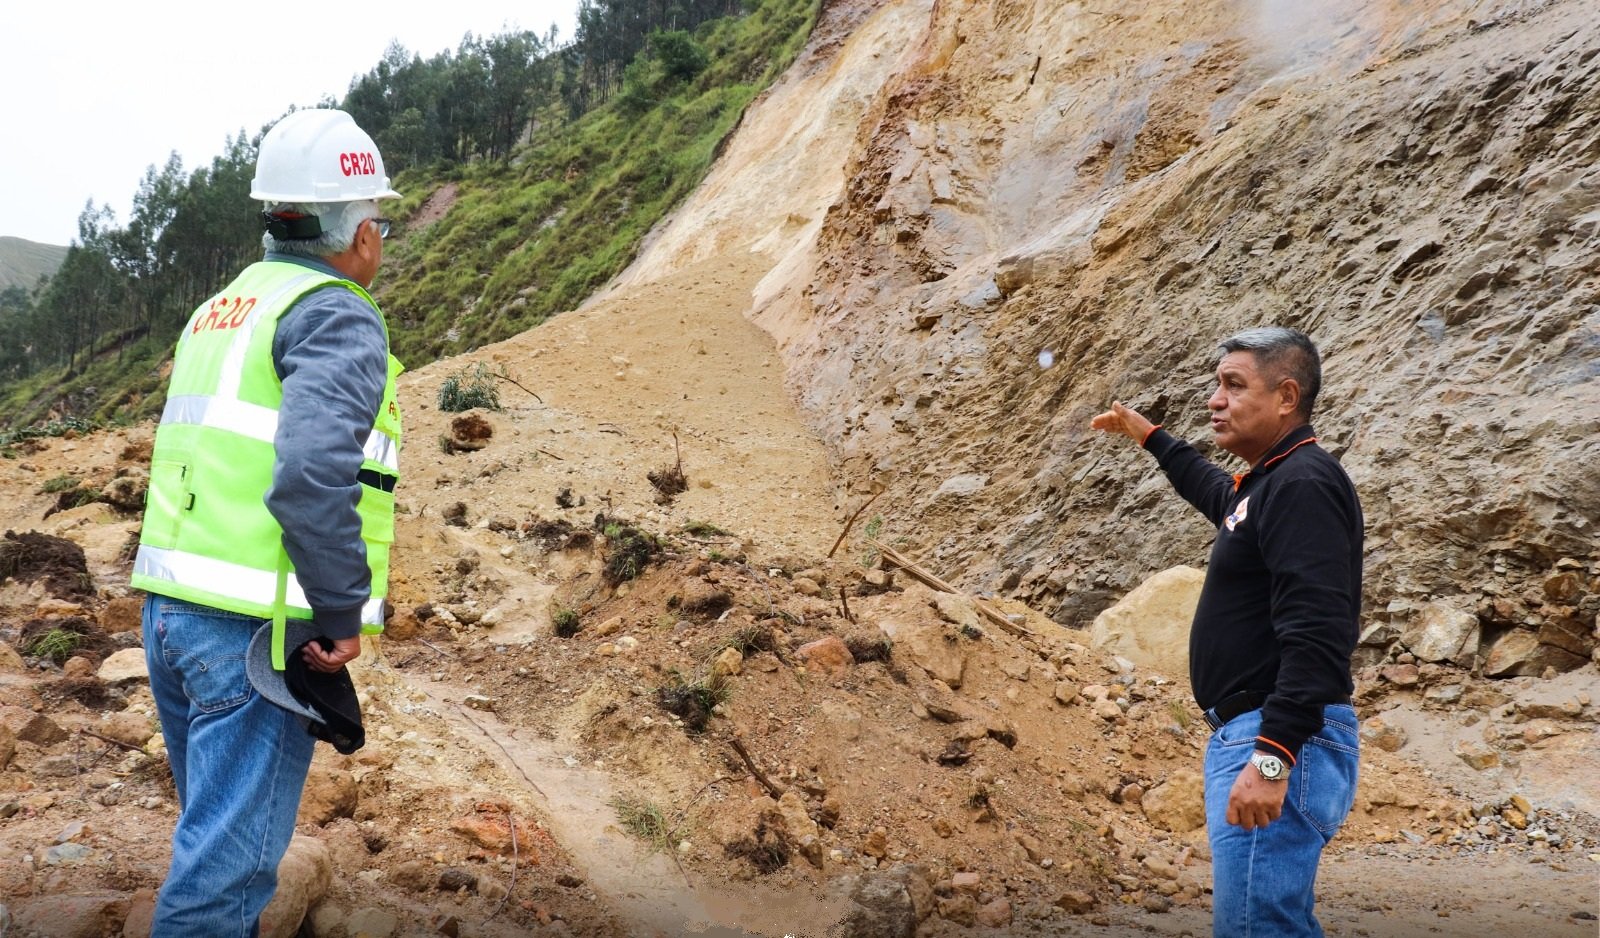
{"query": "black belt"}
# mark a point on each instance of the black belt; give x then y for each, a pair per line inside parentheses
(378, 480)
(1234, 705)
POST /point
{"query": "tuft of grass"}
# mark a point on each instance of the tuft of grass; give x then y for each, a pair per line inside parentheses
(468, 387)
(56, 644)
(566, 621)
(60, 483)
(753, 638)
(691, 700)
(870, 557)
(1180, 713)
(645, 820)
(703, 529)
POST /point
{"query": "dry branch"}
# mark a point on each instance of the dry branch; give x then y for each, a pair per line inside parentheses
(842, 534)
(750, 764)
(918, 573)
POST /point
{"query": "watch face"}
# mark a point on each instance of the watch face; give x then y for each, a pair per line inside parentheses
(1270, 767)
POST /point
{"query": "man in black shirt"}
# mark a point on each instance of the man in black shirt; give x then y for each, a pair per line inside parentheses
(1270, 647)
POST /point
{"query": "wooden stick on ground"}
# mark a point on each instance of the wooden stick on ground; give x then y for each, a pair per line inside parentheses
(115, 742)
(750, 764)
(918, 573)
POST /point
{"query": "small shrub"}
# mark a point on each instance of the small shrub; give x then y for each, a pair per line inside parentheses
(469, 387)
(54, 428)
(869, 558)
(629, 550)
(566, 621)
(669, 481)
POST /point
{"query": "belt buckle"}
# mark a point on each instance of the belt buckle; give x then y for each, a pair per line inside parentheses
(1214, 721)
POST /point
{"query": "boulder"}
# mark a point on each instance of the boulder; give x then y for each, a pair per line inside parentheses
(1442, 633)
(128, 728)
(826, 655)
(1178, 804)
(82, 916)
(304, 875)
(123, 614)
(124, 667)
(126, 491)
(1150, 626)
(727, 664)
(10, 660)
(1519, 653)
(29, 727)
(879, 906)
(930, 644)
(470, 431)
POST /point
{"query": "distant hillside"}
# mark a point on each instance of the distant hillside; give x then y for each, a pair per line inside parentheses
(23, 262)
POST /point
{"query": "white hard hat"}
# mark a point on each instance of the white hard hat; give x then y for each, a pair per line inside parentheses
(319, 155)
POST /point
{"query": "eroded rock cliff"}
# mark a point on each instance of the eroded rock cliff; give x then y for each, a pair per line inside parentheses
(1121, 187)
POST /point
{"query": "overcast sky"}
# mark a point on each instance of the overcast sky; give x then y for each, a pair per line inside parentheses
(93, 94)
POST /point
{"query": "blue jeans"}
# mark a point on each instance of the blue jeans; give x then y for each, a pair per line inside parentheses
(1264, 879)
(239, 762)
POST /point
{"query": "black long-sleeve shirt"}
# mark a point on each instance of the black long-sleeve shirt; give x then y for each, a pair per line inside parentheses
(1282, 597)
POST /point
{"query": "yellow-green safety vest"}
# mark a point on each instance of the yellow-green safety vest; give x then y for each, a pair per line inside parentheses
(208, 537)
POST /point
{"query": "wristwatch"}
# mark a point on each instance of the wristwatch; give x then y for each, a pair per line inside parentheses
(1271, 767)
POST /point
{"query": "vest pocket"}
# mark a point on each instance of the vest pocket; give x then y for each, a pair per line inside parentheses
(376, 509)
(167, 501)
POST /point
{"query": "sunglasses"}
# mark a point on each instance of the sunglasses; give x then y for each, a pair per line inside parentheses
(383, 227)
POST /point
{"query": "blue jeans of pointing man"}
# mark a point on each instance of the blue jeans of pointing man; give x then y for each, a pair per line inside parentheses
(1264, 878)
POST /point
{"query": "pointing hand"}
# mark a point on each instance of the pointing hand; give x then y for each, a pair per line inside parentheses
(1124, 420)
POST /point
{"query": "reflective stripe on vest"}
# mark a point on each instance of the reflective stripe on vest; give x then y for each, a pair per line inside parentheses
(256, 586)
(260, 423)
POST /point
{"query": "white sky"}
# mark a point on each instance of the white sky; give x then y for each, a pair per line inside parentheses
(91, 95)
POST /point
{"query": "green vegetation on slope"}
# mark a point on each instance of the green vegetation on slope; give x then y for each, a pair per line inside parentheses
(533, 237)
(535, 227)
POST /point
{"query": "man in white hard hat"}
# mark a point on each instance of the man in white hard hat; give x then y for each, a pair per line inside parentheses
(270, 514)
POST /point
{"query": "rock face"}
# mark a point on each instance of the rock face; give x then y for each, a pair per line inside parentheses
(1411, 188)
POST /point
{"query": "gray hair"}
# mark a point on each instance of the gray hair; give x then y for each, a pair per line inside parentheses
(1283, 353)
(340, 221)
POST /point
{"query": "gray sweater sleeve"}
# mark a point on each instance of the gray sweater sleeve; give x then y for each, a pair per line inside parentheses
(331, 353)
